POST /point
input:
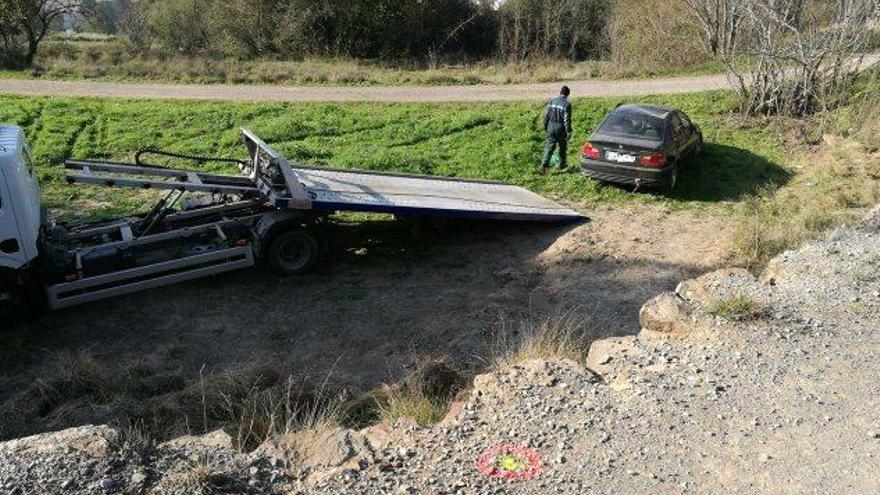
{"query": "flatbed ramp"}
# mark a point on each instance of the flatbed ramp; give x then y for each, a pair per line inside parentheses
(421, 196)
(271, 178)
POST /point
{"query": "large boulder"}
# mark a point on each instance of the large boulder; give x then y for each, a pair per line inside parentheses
(666, 314)
(97, 441)
(604, 354)
(321, 448)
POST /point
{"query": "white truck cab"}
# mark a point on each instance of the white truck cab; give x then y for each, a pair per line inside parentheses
(20, 207)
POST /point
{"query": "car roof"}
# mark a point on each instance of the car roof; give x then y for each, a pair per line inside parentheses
(656, 111)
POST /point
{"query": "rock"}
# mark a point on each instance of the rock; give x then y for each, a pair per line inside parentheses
(384, 434)
(97, 441)
(322, 449)
(138, 478)
(107, 484)
(666, 314)
(605, 351)
(218, 439)
(871, 222)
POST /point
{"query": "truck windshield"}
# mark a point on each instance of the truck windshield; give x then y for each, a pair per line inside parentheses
(634, 126)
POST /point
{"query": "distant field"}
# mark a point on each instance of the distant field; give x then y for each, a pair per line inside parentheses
(112, 61)
(485, 141)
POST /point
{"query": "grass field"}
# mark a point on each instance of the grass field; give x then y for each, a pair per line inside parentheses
(484, 141)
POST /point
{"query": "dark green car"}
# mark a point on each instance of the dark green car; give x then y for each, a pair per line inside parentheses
(641, 145)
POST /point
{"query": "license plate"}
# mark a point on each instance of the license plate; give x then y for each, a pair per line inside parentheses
(613, 156)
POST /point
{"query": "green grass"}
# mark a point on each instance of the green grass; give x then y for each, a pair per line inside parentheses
(498, 141)
(739, 308)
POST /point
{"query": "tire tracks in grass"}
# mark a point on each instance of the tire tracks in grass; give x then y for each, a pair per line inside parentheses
(467, 126)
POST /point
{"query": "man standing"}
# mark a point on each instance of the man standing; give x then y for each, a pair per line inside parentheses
(557, 123)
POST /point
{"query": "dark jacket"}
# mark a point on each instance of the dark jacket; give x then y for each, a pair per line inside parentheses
(558, 115)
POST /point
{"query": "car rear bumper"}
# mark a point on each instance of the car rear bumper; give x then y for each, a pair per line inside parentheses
(625, 174)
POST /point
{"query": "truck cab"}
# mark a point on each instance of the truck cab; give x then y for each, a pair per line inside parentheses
(20, 211)
(20, 217)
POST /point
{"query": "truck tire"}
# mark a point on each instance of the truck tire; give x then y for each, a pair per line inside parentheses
(293, 253)
(17, 304)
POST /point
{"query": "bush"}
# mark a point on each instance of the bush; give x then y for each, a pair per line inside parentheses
(654, 39)
(424, 394)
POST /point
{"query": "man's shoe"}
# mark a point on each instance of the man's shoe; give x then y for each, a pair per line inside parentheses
(542, 169)
(563, 166)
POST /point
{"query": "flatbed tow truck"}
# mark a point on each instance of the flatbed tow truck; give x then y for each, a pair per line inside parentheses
(206, 224)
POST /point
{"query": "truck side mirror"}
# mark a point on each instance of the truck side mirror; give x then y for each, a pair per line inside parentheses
(9, 246)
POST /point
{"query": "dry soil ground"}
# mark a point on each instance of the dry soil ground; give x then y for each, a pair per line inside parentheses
(389, 296)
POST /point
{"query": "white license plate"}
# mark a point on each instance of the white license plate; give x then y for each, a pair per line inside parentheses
(613, 156)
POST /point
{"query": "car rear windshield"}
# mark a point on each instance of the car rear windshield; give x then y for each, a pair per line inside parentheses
(634, 126)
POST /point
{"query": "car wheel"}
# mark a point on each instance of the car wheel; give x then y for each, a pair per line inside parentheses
(673, 178)
(293, 253)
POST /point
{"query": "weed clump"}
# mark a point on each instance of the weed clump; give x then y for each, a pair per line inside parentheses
(739, 309)
(424, 395)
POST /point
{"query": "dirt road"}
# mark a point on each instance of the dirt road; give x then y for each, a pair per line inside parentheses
(482, 92)
(508, 92)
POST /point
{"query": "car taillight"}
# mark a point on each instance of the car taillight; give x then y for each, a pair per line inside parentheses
(655, 160)
(590, 151)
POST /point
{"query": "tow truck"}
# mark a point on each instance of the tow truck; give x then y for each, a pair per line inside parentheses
(206, 224)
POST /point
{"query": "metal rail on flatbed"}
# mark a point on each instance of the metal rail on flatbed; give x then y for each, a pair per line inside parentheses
(150, 276)
(285, 186)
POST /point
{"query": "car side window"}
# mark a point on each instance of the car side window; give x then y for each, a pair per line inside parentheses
(28, 162)
(677, 127)
(686, 121)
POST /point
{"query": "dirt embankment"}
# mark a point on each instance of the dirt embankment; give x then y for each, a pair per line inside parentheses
(734, 385)
(385, 301)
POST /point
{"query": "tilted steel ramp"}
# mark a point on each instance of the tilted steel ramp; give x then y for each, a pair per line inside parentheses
(426, 196)
(335, 189)
(271, 178)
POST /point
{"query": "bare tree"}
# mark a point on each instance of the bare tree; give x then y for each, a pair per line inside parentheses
(27, 22)
(797, 60)
(720, 21)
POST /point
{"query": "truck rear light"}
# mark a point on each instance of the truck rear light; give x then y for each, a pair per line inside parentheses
(656, 160)
(591, 151)
(241, 242)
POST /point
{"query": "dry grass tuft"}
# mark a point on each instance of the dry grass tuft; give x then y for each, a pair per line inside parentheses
(424, 395)
(567, 336)
(250, 401)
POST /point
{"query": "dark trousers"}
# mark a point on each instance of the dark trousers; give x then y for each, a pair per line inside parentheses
(555, 138)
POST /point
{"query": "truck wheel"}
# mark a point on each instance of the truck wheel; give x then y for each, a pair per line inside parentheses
(293, 253)
(16, 304)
